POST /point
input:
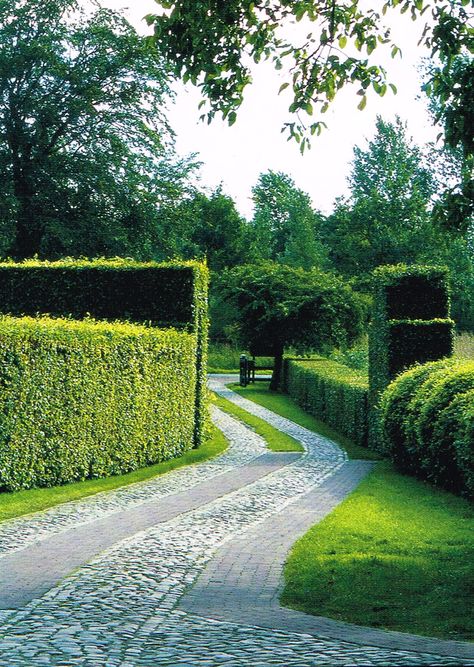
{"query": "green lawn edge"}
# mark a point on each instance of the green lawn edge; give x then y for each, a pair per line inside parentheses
(275, 439)
(397, 554)
(283, 405)
(223, 371)
(21, 503)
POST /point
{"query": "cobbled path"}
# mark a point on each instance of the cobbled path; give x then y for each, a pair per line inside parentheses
(120, 610)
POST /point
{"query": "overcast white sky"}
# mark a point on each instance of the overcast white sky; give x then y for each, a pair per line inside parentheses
(235, 156)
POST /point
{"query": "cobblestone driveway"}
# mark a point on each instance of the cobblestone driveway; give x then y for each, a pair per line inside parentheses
(122, 608)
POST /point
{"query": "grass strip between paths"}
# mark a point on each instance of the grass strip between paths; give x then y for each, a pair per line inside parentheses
(34, 500)
(397, 554)
(275, 439)
(283, 405)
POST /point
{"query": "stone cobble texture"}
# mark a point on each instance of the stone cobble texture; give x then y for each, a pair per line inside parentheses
(121, 609)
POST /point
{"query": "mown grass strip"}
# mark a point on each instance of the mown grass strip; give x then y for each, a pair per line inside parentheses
(397, 555)
(283, 405)
(275, 439)
(25, 502)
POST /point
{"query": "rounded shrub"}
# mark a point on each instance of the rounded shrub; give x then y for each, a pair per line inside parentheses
(398, 408)
(437, 423)
(428, 423)
(463, 408)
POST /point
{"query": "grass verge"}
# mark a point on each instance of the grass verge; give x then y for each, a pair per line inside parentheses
(276, 440)
(224, 371)
(397, 555)
(283, 405)
(33, 500)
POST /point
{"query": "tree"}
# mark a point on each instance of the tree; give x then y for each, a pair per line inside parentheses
(451, 102)
(212, 43)
(389, 217)
(85, 147)
(280, 306)
(386, 219)
(285, 225)
(217, 230)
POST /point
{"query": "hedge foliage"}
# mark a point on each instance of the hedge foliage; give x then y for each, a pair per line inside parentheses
(410, 324)
(335, 394)
(173, 294)
(84, 399)
(117, 289)
(427, 419)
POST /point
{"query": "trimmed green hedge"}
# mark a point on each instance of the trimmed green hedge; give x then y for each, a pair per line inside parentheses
(115, 289)
(335, 394)
(418, 341)
(91, 399)
(173, 294)
(410, 324)
(427, 420)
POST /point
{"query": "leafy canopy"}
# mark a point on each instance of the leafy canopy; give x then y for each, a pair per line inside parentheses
(451, 102)
(212, 44)
(84, 140)
(280, 306)
(386, 219)
(285, 225)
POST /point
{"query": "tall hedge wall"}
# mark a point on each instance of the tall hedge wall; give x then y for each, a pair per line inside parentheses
(427, 422)
(90, 399)
(410, 324)
(162, 295)
(332, 392)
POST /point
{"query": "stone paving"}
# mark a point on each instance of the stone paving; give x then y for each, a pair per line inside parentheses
(121, 609)
(19, 533)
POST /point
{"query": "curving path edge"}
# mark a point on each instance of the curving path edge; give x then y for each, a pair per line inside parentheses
(243, 582)
(124, 607)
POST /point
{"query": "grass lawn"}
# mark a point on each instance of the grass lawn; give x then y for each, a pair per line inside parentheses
(397, 554)
(33, 500)
(283, 405)
(276, 440)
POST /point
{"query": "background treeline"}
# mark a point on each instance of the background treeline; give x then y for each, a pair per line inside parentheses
(88, 168)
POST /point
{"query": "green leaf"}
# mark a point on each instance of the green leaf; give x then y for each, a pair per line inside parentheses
(362, 103)
(342, 41)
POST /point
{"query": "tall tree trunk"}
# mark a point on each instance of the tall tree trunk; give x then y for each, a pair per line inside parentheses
(276, 375)
(28, 233)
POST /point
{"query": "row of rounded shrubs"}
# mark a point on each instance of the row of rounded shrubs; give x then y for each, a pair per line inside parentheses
(427, 420)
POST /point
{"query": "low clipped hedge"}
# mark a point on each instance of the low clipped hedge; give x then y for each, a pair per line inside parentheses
(331, 392)
(427, 420)
(84, 399)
